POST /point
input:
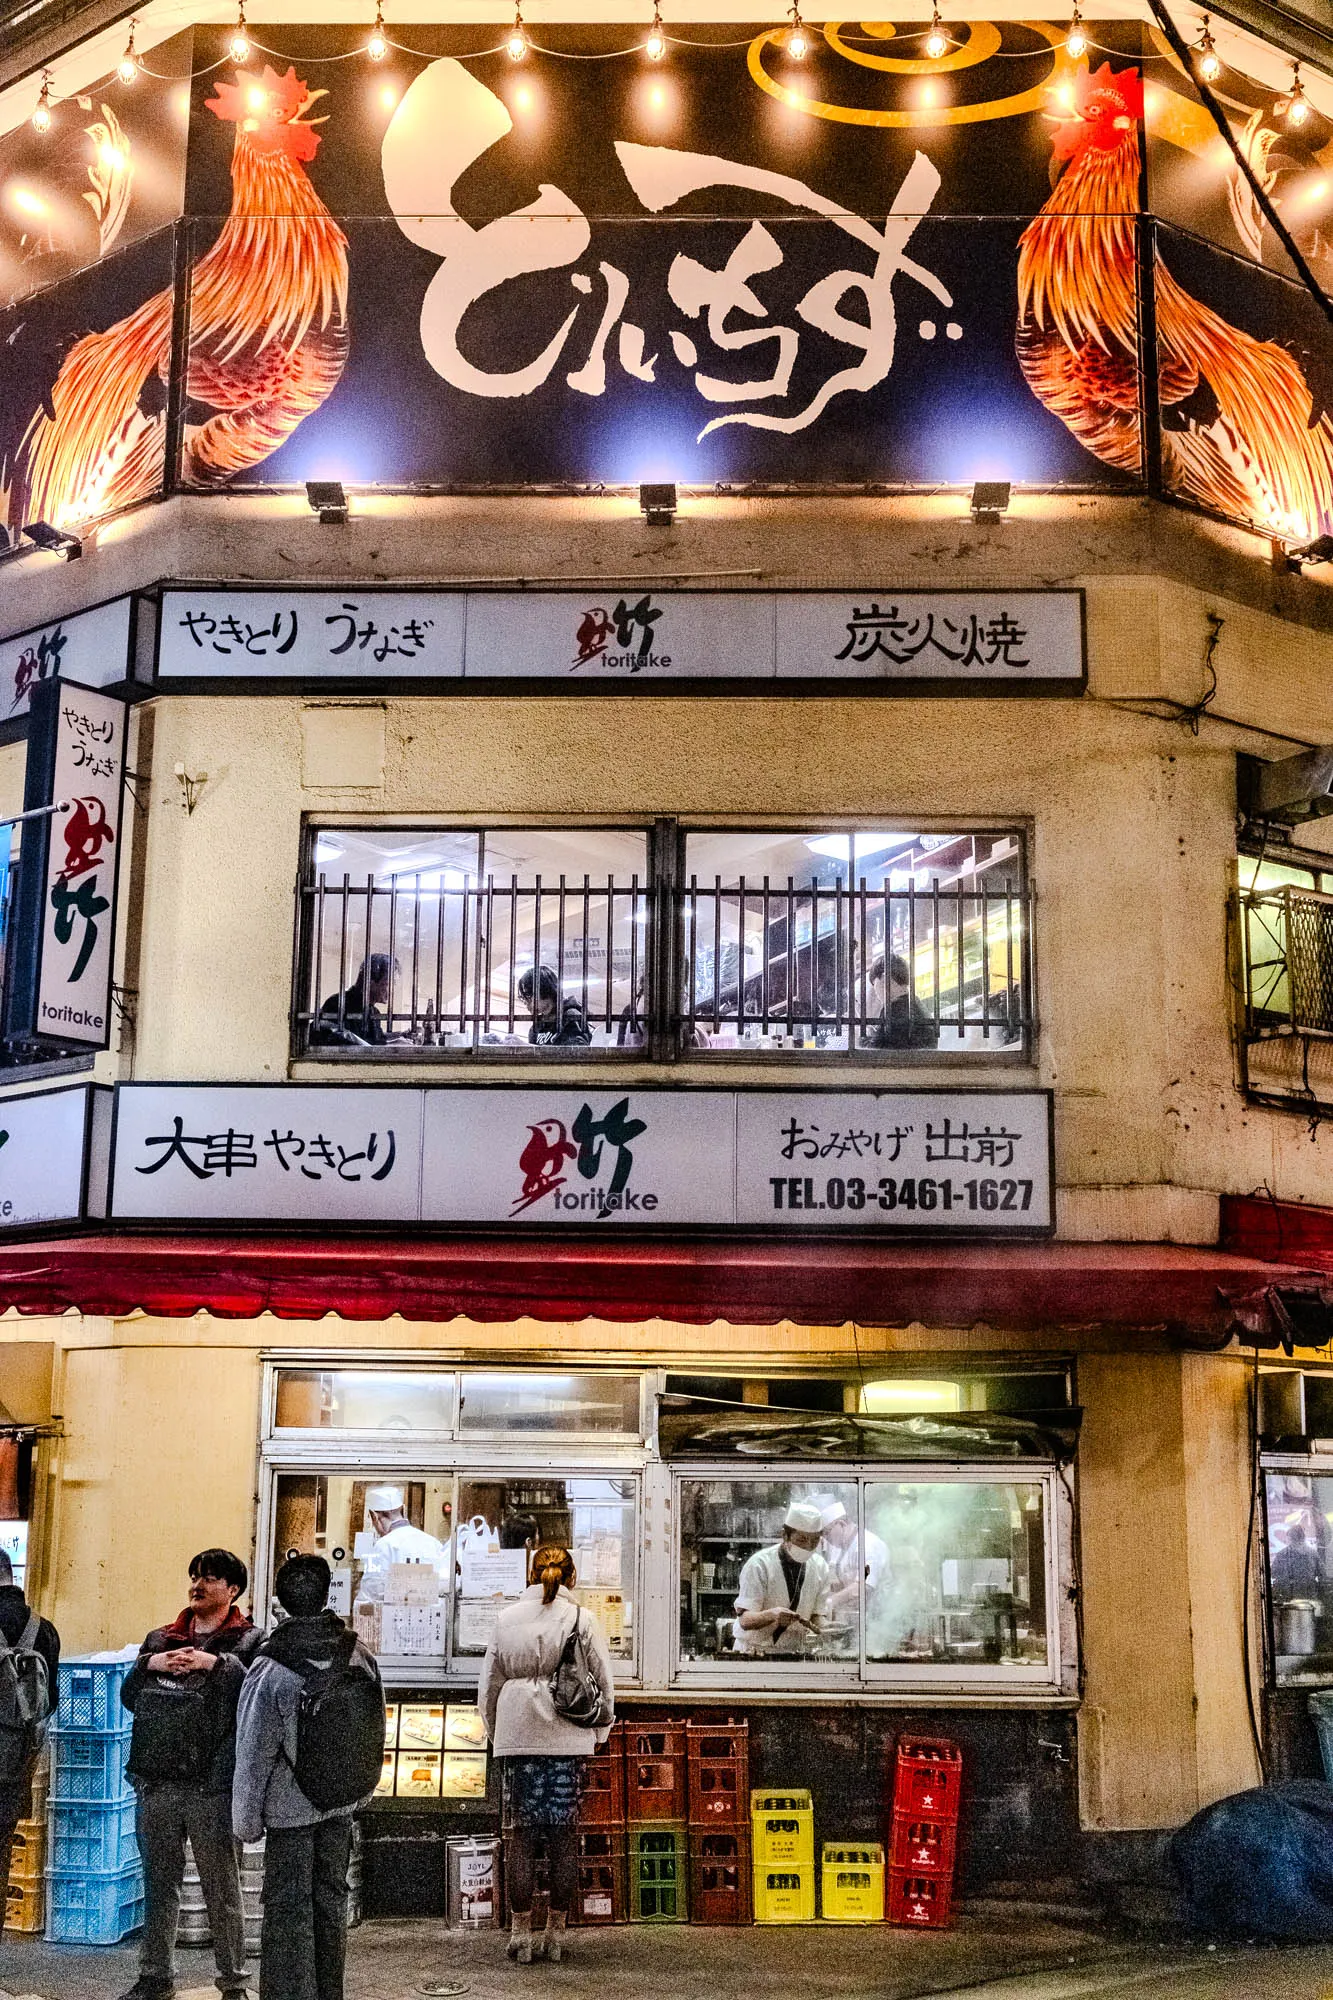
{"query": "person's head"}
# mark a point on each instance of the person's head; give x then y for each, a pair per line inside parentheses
(1296, 1537)
(539, 990)
(801, 1530)
(517, 1533)
(839, 1531)
(384, 1504)
(551, 1566)
(373, 978)
(217, 1579)
(6, 1571)
(302, 1586)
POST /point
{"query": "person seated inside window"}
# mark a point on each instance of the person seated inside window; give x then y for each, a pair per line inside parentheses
(557, 1021)
(353, 1019)
(903, 1022)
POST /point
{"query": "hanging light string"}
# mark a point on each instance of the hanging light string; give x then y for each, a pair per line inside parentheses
(798, 41)
(128, 66)
(240, 48)
(1076, 41)
(1208, 62)
(377, 46)
(937, 41)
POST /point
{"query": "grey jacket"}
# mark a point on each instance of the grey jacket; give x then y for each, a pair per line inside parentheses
(513, 1695)
(265, 1792)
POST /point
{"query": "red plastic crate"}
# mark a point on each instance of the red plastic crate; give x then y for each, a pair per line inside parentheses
(601, 1893)
(927, 1778)
(721, 1887)
(923, 1846)
(719, 1774)
(924, 1902)
(655, 1773)
(602, 1785)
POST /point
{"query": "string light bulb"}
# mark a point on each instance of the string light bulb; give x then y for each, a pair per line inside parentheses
(41, 117)
(1076, 41)
(655, 46)
(517, 45)
(239, 49)
(128, 66)
(1209, 63)
(798, 42)
(1297, 107)
(377, 46)
(937, 42)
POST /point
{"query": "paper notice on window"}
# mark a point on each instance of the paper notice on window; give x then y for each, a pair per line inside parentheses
(488, 1572)
(608, 1608)
(411, 1583)
(477, 1618)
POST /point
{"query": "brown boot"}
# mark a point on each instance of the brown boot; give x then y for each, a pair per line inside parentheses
(555, 1936)
(520, 1937)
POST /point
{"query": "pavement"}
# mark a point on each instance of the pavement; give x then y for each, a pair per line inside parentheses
(1023, 1957)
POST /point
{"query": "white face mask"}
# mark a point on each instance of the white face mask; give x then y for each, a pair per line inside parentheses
(797, 1555)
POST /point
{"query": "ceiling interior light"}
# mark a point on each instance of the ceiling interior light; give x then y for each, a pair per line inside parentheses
(377, 47)
(657, 503)
(327, 499)
(239, 49)
(43, 536)
(128, 66)
(41, 117)
(655, 46)
(517, 45)
(798, 42)
(1076, 41)
(990, 500)
(937, 42)
(1208, 62)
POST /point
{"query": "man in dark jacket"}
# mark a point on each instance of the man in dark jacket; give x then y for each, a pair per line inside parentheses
(182, 1691)
(556, 1019)
(306, 1851)
(15, 1617)
(903, 1023)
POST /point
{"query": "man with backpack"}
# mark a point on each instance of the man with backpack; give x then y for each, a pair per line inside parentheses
(182, 1692)
(29, 1658)
(309, 1750)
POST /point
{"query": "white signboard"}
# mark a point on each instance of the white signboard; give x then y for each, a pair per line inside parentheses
(82, 861)
(615, 632)
(53, 1146)
(566, 1158)
(92, 647)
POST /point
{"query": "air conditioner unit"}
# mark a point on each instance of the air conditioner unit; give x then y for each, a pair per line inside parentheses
(1289, 790)
(1296, 1410)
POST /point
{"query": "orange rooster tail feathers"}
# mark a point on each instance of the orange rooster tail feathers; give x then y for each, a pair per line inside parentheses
(100, 451)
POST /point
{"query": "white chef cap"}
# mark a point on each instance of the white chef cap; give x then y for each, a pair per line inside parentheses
(805, 1517)
(835, 1511)
(384, 1499)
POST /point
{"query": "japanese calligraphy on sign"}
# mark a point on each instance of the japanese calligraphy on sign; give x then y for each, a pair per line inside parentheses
(91, 647)
(571, 1158)
(1004, 639)
(83, 854)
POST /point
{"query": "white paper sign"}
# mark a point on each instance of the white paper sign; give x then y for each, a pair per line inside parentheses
(79, 894)
(92, 647)
(45, 1141)
(224, 1152)
(488, 1572)
(624, 632)
(901, 1160)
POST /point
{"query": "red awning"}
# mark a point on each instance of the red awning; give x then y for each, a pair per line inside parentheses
(824, 1283)
(1290, 1232)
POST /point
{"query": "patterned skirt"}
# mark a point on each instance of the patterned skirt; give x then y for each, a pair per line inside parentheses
(539, 1792)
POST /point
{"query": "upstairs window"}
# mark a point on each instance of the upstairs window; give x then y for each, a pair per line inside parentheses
(1285, 940)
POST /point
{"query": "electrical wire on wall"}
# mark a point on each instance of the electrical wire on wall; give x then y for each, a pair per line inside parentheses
(1248, 1586)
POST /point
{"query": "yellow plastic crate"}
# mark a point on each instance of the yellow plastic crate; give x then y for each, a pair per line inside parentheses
(27, 1856)
(784, 1894)
(852, 1882)
(782, 1829)
(25, 1903)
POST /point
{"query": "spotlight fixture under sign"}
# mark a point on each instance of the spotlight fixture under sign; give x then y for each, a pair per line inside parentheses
(58, 541)
(658, 505)
(328, 499)
(990, 500)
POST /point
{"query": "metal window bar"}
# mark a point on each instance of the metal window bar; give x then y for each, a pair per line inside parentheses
(450, 960)
(1287, 956)
(804, 955)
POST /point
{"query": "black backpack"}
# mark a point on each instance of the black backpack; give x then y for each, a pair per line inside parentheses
(25, 1703)
(179, 1726)
(339, 1729)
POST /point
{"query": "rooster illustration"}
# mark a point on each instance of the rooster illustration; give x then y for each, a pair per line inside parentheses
(268, 334)
(542, 1162)
(1241, 433)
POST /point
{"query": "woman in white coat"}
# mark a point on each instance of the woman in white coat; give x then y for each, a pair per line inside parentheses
(538, 1750)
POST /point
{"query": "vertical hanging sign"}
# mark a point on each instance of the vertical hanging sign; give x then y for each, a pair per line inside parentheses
(64, 930)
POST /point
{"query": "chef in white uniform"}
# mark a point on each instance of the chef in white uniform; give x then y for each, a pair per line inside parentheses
(848, 1554)
(783, 1594)
(397, 1541)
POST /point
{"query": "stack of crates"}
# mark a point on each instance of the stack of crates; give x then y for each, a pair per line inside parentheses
(602, 1892)
(782, 1834)
(718, 1757)
(94, 1877)
(923, 1831)
(656, 1805)
(192, 1926)
(852, 1882)
(25, 1891)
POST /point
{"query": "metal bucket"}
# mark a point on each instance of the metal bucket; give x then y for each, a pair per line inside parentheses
(473, 1871)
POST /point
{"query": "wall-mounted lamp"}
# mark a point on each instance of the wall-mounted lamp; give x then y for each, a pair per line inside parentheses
(658, 505)
(43, 536)
(191, 784)
(328, 500)
(990, 500)
(1319, 551)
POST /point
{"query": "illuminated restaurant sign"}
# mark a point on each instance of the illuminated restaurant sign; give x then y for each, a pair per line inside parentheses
(91, 646)
(626, 632)
(952, 1163)
(53, 1156)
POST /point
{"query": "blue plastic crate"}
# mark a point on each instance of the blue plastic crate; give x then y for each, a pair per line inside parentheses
(90, 1696)
(89, 1768)
(101, 1908)
(83, 1837)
